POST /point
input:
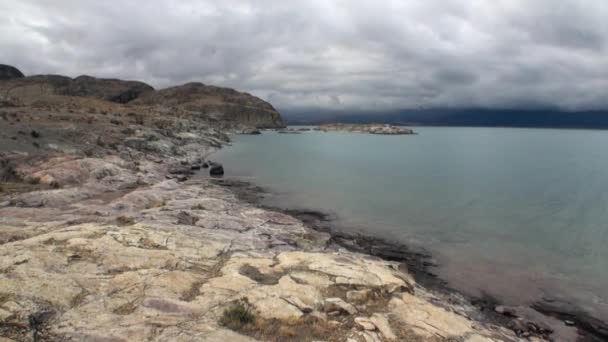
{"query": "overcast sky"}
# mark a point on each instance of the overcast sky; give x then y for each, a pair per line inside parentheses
(343, 54)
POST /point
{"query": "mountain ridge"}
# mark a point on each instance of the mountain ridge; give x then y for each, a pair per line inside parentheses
(225, 105)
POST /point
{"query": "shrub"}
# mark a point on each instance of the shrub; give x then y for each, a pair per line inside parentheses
(238, 314)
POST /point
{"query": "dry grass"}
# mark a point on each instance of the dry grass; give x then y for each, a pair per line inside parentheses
(238, 315)
(242, 317)
(156, 204)
(125, 220)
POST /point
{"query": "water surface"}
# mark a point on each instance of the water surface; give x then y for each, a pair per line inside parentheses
(518, 213)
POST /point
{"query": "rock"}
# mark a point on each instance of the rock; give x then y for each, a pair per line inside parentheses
(35, 134)
(507, 311)
(370, 336)
(360, 296)
(297, 302)
(195, 167)
(382, 324)
(216, 170)
(251, 131)
(186, 218)
(337, 304)
(8, 72)
(426, 319)
(365, 323)
(205, 165)
(569, 323)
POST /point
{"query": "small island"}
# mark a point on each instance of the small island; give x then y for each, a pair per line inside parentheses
(374, 128)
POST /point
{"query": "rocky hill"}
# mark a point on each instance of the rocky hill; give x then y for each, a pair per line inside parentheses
(220, 103)
(8, 72)
(200, 102)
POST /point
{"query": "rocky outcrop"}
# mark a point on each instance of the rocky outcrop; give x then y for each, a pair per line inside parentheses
(30, 89)
(221, 104)
(113, 90)
(168, 261)
(382, 129)
(8, 72)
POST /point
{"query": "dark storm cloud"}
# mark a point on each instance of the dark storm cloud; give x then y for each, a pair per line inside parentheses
(342, 54)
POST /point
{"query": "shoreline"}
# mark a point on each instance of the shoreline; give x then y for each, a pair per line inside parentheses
(198, 245)
(117, 253)
(419, 263)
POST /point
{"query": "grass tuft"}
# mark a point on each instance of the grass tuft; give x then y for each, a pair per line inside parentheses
(239, 314)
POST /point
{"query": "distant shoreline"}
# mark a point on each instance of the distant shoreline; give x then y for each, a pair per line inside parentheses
(472, 126)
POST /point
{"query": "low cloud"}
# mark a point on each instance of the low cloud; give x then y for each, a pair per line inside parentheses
(343, 54)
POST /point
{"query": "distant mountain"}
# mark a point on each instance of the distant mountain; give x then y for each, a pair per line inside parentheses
(459, 117)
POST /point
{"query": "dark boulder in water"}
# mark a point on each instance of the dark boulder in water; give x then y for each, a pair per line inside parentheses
(251, 131)
(216, 170)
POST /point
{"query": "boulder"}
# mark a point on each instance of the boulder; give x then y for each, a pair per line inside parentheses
(381, 322)
(251, 131)
(216, 170)
(339, 305)
(365, 323)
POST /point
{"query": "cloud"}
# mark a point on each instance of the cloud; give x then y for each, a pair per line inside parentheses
(342, 54)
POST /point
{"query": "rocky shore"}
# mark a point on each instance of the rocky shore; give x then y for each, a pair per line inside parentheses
(110, 230)
(125, 254)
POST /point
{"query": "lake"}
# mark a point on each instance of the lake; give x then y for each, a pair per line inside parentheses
(520, 214)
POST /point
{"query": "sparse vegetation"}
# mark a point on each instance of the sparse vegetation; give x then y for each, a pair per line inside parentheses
(156, 203)
(125, 220)
(199, 207)
(238, 314)
(306, 328)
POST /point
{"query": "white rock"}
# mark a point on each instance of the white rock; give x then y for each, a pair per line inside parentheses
(298, 303)
(365, 323)
(381, 322)
(358, 295)
(337, 304)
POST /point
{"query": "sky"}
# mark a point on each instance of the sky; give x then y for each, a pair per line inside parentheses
(323, 54)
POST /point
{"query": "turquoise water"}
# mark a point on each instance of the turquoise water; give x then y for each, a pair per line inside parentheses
(517, 213)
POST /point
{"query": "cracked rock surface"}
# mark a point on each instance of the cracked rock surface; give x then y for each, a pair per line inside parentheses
(163, 260)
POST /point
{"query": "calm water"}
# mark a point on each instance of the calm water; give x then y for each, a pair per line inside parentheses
(517, 213)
